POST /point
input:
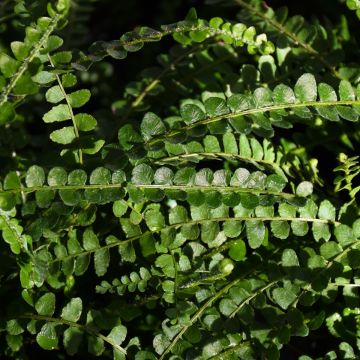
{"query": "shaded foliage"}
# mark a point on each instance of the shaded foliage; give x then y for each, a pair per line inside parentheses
(190, 213)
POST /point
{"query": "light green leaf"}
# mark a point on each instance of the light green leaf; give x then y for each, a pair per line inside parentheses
(330, 249)
(90, 239)
(68, 80)
(304, 189)
(280, 229)
(237, 250)
(20, 50)
(344, 235)
(255, 232)
(118, 334)
(305, 88)
(283, 297)
(327, 211)
(100, 175)
(163, 176)
(211, 144)
(53, 43)
(85, 122)
(54, 94)
(346, 91)
(119, 208)
(79, 98)
(44, 77)
(72, 311)
(95, 345)
(160, 343)
(244, 145)
(101, 261)
(47, 337)
(275, 183)
(57, 113)
(283, 94)
(154, 220)
(289, 258)
(64, 136)
(8, 65)
(46, 304)
(35, 176)
(178, 215)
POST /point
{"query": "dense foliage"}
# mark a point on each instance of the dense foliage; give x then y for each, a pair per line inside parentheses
(205, 210)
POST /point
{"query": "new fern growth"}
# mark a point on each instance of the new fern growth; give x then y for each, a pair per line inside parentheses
(198, 212)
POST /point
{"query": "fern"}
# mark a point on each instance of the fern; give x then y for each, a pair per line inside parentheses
(193, 212)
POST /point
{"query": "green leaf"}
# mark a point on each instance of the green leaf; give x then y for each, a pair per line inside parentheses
(64, 136)
(326, 92)
(330, 249)
(54, 94)
(283, 297)
(62, 57)
(79, 98)
(305, 88)
(68, 80)
(25, 86)
(57, 113)
(255, 232)
(101, 261)
(244, 145)
(346, 91)
(72, 311)
(344, 234)
(44, 77)
(154, 220)
(8, 65)
(280, 229)
(72, 340)
(12, 181)
(327, 211)
(35, 176)
(226, 307)
(151, 126)
(237, 250)
(191, 113)
(95, 345)
(90, 240)
(53, 43)
(142, 174)
(283, 94)
(304, 189)
(85, 122)
(100, 175)
(160, 343)
(275, 183)
(20, 50)
(216, 106)
(7, 113)
(119, 208)
(46, 304)
(289, 259)
(47, 337)
(128, 137)
(163, 176)
(118, 334)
